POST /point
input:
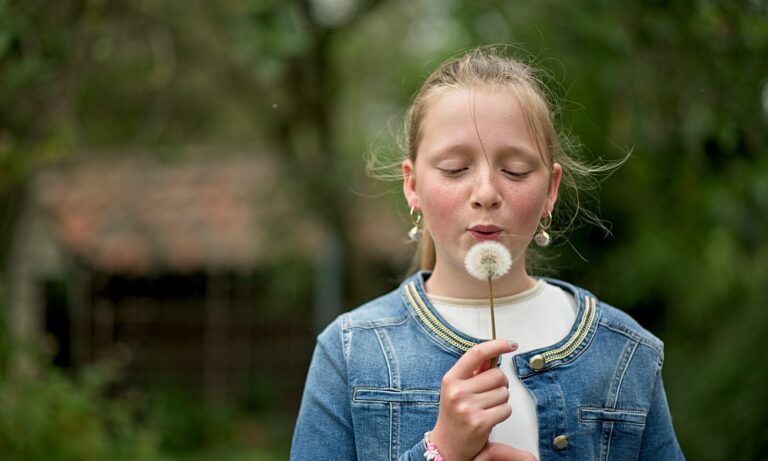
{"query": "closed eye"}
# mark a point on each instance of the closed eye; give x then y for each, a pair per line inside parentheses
(452, 171)
(516, 174)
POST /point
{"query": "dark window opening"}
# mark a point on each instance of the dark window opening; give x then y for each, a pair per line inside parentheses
(57, 321)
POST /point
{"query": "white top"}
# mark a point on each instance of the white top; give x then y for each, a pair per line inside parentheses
(535, 318)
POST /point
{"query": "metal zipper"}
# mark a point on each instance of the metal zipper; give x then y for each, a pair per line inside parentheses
(538, 361)
(432, 322)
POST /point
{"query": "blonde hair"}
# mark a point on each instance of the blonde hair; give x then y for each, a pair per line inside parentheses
(493, 68)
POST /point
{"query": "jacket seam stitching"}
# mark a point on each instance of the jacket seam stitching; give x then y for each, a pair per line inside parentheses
(633, 346)
(396, 389)
(624, 373)
(632, 411)
(607, 324)
(386, 356)
(367, 325)
(610, 437)
(345, 340)
(391, 420)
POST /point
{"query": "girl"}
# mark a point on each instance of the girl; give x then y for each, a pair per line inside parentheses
(407, 376)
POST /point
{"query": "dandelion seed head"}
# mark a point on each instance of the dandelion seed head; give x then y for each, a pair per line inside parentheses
(488, 260)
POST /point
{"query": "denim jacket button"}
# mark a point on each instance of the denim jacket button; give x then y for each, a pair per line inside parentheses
(560, 442)
(536, 362)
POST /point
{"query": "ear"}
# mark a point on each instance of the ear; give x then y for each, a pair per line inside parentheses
(554, 186)
(409, 185)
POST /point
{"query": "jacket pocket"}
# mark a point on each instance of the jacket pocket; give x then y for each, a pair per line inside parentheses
(612, 415)
(616, 434)
(394, 418)
(401, 396)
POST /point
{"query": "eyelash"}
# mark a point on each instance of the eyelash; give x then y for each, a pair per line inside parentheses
(458, 171)
(515, 175)
(452, 172)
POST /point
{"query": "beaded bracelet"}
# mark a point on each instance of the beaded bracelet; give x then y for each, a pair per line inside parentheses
(431, 454)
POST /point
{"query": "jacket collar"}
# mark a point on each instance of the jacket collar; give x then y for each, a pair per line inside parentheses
(529, 363)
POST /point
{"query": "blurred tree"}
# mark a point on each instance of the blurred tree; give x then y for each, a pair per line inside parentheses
(286, 56)
(682, 85)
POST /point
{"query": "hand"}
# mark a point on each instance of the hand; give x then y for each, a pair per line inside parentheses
(473, 399)
(503, 452)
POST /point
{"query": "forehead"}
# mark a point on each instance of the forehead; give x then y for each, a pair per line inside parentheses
(495, 101)
(485, 119)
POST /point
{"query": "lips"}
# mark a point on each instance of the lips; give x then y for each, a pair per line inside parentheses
(485, 232)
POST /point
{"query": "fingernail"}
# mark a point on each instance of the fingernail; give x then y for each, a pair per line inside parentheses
(513, 345)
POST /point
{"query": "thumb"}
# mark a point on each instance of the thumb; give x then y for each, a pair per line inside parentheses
(503, 452)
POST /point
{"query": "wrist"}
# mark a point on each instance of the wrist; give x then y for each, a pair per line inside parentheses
(431, 452)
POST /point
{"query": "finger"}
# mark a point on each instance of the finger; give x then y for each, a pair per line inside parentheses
(493, 362)
(487, 380)
(503, 452)
(474, 357)
(497, 414)
(493, 398)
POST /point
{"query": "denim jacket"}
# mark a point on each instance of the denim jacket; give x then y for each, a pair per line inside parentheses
(373, 386)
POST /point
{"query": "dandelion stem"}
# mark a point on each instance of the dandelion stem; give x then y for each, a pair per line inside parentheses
(493, 317)
(492, 362)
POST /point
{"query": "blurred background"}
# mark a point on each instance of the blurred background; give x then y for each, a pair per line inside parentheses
(184, 203)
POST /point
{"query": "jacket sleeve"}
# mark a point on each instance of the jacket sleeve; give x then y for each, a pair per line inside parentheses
(659, 440)
(414, 454)
(324, 426)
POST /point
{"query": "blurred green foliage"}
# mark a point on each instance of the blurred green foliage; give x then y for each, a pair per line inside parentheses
(46, 415)
(53, 424)
(681, 85)
(184, 423)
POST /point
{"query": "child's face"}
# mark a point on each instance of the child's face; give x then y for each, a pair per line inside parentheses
(478, 175)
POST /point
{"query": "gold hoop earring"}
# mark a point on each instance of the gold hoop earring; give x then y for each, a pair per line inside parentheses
(542, 237)
(416, 232)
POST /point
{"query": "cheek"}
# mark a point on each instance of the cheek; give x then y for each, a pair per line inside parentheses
(440, 204)
(527, 205)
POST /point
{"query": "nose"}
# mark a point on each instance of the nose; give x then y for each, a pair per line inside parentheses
(485, 192)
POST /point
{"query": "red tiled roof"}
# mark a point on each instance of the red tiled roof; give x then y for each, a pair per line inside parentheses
(133, 214)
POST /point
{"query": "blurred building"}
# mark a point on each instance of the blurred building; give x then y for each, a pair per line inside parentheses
(199, 271)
